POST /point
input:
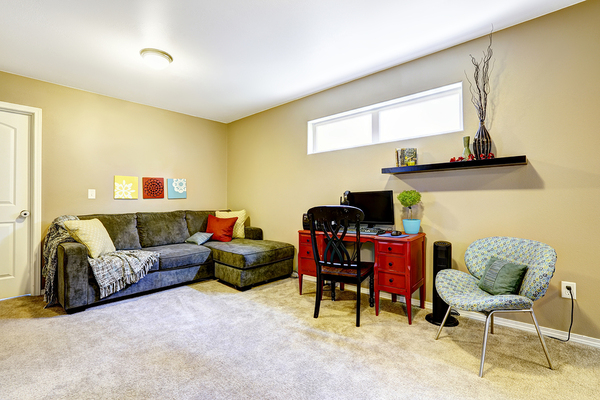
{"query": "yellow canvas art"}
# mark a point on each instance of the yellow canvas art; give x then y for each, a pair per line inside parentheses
(126, 187)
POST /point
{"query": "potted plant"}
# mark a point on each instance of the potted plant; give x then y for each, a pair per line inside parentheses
(408, 199)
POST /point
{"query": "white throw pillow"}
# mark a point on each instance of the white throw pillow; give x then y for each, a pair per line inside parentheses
(92, 234)
(238, 229)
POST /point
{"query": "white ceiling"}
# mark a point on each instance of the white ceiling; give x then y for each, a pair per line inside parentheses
(234, 58)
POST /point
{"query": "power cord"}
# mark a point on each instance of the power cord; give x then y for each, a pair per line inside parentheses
(570, 326)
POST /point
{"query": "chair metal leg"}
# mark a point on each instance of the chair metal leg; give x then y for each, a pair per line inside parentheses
(443, 322)
(488, 320)
(537, 328)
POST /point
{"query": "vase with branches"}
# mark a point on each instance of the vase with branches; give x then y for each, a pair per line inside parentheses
(482, 142)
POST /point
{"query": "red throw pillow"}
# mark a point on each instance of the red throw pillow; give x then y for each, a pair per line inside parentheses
(221, 228)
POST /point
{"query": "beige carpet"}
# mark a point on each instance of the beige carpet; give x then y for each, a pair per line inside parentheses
(208, 341)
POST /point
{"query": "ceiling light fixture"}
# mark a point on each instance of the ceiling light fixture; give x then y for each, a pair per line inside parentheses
(155, 58)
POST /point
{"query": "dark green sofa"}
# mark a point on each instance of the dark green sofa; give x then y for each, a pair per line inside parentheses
(241, 263)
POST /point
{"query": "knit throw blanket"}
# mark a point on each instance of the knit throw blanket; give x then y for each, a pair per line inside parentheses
(113, 271)
(57, 234)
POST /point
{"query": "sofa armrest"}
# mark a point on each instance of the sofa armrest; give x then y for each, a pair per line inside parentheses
(252, 232)
(73, 279)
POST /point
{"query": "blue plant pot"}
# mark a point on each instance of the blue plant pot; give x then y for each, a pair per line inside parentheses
(411, 226)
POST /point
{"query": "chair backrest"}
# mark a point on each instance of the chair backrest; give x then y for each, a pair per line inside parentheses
(539, 258)
(334, 222)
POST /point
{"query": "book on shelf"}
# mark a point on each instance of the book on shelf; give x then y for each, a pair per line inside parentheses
(406, 156)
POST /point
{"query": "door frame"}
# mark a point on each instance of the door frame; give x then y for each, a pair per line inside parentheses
(35, 190)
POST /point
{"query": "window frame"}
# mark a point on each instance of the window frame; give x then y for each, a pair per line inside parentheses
(376, 109)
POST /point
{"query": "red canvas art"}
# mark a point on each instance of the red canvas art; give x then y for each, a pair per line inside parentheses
(154, 188)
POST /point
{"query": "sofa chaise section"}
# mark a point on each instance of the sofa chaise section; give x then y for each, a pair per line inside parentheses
(244, 263)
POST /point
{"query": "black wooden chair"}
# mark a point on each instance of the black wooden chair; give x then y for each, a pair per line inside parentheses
(335, 263)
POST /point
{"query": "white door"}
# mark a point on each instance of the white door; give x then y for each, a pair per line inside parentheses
(15, 225)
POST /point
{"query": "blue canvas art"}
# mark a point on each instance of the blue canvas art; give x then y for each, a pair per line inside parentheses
(176, 189)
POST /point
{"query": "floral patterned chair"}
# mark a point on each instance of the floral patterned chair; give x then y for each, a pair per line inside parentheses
(462, 291)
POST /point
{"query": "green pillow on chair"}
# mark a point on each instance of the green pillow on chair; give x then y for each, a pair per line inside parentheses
(502, 277)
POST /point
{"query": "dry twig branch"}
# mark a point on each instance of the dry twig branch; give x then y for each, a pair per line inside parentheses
(481, 76)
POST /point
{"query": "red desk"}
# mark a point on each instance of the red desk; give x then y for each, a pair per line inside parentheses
(399, 264)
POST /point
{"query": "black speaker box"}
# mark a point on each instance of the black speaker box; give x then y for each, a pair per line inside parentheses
(442, 259)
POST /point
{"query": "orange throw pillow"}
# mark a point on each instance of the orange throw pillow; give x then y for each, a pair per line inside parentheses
(221, 228)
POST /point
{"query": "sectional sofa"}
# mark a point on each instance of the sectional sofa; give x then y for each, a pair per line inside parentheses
(241, 262)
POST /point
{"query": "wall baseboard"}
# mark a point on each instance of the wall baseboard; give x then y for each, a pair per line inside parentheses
(523, 326)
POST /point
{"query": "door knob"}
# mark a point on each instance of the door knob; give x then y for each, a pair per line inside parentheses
(24, 214)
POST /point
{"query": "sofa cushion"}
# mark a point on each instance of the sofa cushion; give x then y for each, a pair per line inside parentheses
(248, 253)
(122, 229)
(181, 255)
(197, 220)
(160, 228)
(92, 234)
(199, 238)
(238, 228)
(222, 228)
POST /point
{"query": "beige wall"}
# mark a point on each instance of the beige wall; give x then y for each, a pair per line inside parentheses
(89, 138)
(544, 104)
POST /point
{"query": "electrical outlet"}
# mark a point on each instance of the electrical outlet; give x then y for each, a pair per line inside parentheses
(91, 193)
(565, 293)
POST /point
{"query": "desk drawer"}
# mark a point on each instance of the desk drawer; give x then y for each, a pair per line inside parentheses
(391, 280)
(307, 266)
(392, 263)
(306, 251)
(305, 239)
(391, 247)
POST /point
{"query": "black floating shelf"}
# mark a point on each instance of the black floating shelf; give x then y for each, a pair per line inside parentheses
(448, 166)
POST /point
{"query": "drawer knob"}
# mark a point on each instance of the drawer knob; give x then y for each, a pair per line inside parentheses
(307, 252)
(390, 264)
(389, 249)
(391, 280)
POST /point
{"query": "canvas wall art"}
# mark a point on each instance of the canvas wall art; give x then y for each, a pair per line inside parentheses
(153, 188)
(126, 187)
(176, 188)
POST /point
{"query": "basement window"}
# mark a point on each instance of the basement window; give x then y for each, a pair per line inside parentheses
(433, 112)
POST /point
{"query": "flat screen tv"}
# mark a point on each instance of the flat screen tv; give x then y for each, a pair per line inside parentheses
(378, 206)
